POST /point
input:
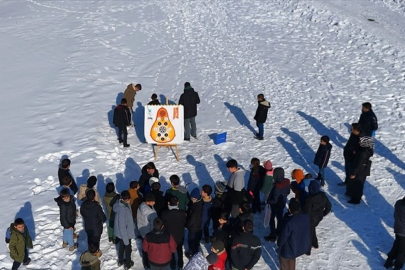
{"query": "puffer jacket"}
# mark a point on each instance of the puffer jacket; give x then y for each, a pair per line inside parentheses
(278, 195)
(18, 242)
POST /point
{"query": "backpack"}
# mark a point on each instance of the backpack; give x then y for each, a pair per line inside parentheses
(8, 235)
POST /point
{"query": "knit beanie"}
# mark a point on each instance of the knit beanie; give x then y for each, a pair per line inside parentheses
(268, 165)
(220, 187)
(298, 175)
(92, 181)
(218, 246)
(195, 193)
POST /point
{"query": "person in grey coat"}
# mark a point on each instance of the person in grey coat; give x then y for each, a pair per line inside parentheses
(124, 229)
(145, 217)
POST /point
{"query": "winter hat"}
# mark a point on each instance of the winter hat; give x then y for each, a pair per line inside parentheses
(195, 193)
(218, 246)
(220, 187)
(212, 258)
(92, 181)
(268, 165)
(314, 187)
(298, 175)
(294, 205)
(153, 180)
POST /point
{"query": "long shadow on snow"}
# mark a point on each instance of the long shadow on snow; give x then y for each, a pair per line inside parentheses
(118, 98)
(201, 171)
(139, 121)
(335, 137)
(110, 117)
(25, 213)
(221, 163)
(360, 218)
(240, 116)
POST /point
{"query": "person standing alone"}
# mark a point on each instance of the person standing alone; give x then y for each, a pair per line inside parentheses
(189, 99)
(261, 115)
(129, 95)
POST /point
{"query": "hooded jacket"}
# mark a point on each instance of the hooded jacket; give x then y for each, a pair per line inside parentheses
(175, 220)
(317, 204)
(18, 242)
(322, 155)
(399, 217)
(181, 193)
(144, 186)
(261, 111)
(93, 217)
(280, 191)
(246, 251)
(368, 122)
(145, 217)
(160, 204)
(194, 216)
(189, 99)
(256, 176)
(160, 246)
(350, 149)
(123, 224)
(67, 212)
(129, 95)
(122, 116)
(109, 199)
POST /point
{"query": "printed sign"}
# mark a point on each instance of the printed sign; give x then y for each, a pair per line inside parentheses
(164, 124)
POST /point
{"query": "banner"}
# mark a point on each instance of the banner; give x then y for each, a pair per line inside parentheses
(164, 124)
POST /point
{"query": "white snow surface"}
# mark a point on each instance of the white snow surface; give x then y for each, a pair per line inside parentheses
(64, 64)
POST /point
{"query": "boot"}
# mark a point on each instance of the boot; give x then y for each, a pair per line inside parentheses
(389, 263)
(64, 244)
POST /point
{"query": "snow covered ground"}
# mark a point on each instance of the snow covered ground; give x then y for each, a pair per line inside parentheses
(64, 64)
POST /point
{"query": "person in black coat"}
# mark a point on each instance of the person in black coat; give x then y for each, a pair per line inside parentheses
(322, 158)
(349, 151)
(93, 217)
(159, 199)
(154, 101)
(64, 170)
(317, 205)
(295, 236)
(361, 169)
(368, 121)
(174, 220)
(122, 119)
(194, 222)
(255, 184)
(189, 99)
(261, 115)
(246, 248)
(67, 217)
(396, 256)
(148, 171)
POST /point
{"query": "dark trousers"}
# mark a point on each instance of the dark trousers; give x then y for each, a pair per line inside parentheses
(256, 205)
(355, 187)
(397, 252)
(145, 259)
(122, 135)
(313, 234)
(16, 265)
(93, 239)
(286, 264)
(180, 261)
(127, 249)
(154, 267)
(348, 169)
(206, 229)
(194, 238)
(279, 215)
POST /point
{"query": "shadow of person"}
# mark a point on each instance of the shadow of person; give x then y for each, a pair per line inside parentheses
(120, 183)
(163, 100)
(132, 170)
(101, 184)
(139, 121)
(110, 117)
(201, 171)
(188, 182)
(222, 167)
(240, 116)
(26, 214)
(334, 136)
(119, 97)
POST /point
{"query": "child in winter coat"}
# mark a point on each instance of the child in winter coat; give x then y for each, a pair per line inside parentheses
(179, 191)
(199, 262)
(317, 206)
(206, 191)
(89, 260)
(67, 210)
(109, 199)
(64, 170)
(267, 180)
(218, 248)
(277, 200)
(322, 158)
(218, 203)
(159, 199)
(148, 171)
(298, 186)
(136, 198)
(91, 182)
(20, 241)
(194, 222)
(255, 183)
(66, 183)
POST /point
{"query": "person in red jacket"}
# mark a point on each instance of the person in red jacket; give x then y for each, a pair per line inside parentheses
(218, 248)
(159, 245)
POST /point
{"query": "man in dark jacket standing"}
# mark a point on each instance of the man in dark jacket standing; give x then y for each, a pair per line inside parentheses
(261, 115)
(317, 205)
(93, 217)
(189, 99)
(246, 248)
(122, 119)
(194, 222)
(295, 236)
(174, 220)
(322, 156)
(349, 151)
(368, 121)
(361, 169)
(397, 252)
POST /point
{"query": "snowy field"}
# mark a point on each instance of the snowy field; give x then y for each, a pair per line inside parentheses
(64, 64)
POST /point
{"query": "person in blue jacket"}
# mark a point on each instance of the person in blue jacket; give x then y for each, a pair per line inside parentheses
(295, 236)
(322, 158)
